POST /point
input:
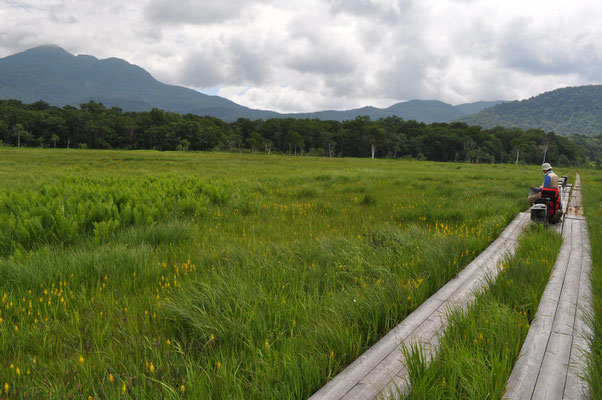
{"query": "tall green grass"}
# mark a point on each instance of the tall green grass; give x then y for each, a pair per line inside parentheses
(591, 188)
(272, 289)
(479, 347)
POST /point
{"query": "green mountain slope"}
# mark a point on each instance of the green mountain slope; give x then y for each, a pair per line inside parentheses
(564, 111)
(54, 75)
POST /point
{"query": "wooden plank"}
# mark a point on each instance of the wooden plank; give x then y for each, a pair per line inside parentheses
(375, 382)
(524, 375)
(576, 387)
(554, 368)
(548, 303)
(391, 376)
(567, 304)
(362, 366)
(559, 373)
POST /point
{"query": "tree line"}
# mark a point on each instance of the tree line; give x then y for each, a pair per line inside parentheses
(93, 125)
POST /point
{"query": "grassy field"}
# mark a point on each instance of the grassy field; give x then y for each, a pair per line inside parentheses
(591, 187)
(209, 275)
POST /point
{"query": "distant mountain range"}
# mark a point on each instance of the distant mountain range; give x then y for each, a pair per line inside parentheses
(54, 75)
(563, 111)
(428, 111)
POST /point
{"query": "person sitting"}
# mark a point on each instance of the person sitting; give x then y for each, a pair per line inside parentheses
(550, 179)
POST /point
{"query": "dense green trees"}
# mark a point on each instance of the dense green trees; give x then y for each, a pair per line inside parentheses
(565, 111)
(95, 126)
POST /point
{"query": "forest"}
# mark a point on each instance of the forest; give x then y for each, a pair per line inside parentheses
(95, 126)
(565, 111)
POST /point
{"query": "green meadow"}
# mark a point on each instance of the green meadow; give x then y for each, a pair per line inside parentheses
(149, 274)
(591, 187)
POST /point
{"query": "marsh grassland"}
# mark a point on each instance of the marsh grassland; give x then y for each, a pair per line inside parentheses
(208, 275)
(591, 187)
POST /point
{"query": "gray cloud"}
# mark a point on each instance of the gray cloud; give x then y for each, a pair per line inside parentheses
(201, 70)
(313, 50)
(221, 62)
(316, 54)
(534, 52)
(389, 11)
(250, 63)
(322, 62)
(531, 52)
(189, 11)
(194, 12)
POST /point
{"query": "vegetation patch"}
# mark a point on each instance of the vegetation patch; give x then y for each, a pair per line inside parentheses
(220, 287)
(479, 347)
(591, 189)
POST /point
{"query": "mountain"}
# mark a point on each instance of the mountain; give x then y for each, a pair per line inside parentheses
(54, 75)
(427, 111)
(563, 111)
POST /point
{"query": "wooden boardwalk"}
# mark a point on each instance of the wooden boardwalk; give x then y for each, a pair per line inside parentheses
(381, 371)
(551, 364)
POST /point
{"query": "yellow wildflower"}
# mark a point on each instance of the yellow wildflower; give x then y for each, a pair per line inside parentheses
(123, 388)
(18, 371)
(81, 359)
(6, 387)
(111, 379)
(182, 389)
(152, 368)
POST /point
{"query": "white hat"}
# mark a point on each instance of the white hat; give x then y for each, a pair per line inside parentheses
(546, 166)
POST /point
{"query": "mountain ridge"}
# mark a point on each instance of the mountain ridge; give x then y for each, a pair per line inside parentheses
(573, 109)
(54, 75)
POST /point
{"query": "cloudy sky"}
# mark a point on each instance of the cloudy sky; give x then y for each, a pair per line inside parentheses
(308, 55)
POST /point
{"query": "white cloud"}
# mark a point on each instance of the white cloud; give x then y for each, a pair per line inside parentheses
(329, 54)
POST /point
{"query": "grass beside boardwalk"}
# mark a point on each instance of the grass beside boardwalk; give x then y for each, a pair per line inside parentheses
(591, 189)
(207, 275)
(479, 348)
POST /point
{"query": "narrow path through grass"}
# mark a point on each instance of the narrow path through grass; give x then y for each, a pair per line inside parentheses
(479, 348)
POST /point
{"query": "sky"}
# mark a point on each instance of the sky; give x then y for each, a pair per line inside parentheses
(310, 55)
